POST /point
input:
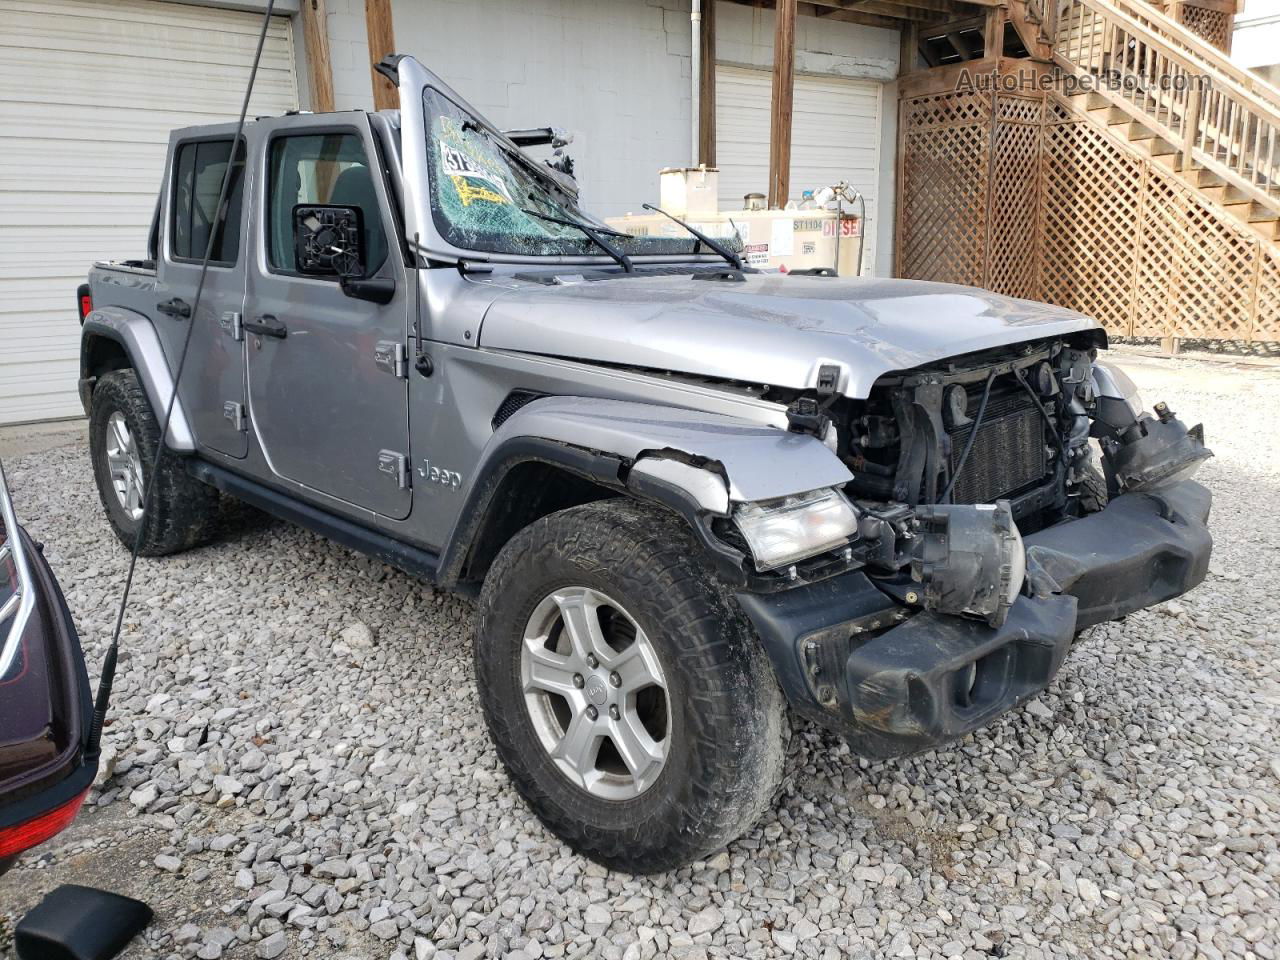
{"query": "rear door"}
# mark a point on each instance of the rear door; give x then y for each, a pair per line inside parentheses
(329, 402)
(213, 379)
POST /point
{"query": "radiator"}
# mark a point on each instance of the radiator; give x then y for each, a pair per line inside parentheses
(1009, 452)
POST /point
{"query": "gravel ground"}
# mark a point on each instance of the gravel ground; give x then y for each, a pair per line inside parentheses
(299, 768)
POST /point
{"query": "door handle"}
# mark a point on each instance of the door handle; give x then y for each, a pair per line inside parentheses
(267, 326)
(177, 308)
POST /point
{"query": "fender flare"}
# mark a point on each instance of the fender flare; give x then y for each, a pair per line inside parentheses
(137, 337)
(600, 440)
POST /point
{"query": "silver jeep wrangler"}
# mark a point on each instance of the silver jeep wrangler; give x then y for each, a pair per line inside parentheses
(688, 495)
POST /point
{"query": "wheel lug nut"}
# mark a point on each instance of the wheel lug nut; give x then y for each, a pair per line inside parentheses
(615, 679)
(613, 712)
(592, 713)
(592, 662)
(578, 681)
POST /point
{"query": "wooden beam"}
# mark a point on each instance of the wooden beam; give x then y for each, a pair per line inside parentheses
(843, 15)
(784, 78)
(315, 39)
(707, 86)
(993, 32)
(382, 41)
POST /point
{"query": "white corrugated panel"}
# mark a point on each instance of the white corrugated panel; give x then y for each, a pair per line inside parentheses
(835, 135)
(89, 90)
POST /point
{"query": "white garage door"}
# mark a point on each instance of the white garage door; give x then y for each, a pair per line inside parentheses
(835, 135)
(88, 94)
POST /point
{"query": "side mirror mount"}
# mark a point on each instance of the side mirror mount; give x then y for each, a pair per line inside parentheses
(378, 290)
(328, 241)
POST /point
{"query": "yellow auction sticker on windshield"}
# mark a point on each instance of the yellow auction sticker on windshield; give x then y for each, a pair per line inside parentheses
(466, 169)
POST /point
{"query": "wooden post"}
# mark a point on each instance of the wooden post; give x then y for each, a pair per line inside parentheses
(382, 41)
(1191, 124)
(993, 32)
(784, 76)
(707, 86)
(908, 47)
(315, 38)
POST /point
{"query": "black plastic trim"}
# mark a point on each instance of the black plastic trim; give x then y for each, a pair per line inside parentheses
(403, 556)
(932, 679)
(597, 467)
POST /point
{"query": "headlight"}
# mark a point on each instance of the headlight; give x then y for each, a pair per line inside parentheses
(970, 559)
(783, 531)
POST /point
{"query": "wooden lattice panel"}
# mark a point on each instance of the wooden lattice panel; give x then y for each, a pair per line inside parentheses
(1216, 262)
(1013, 263)
(1089, 210)
(1266, 319)
(1212, 26)
(1157, 276)
(947, 109)
(946, 150)
(1033, 199)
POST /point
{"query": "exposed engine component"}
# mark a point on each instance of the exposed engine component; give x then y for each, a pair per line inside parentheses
(969, 559)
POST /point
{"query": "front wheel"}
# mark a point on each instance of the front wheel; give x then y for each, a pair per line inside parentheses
(627, 694)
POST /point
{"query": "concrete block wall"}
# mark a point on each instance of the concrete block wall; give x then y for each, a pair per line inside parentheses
(615, 72)
(349, 54)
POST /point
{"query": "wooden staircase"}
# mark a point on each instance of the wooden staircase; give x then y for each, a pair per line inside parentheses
(1176, 100)
(1128, 171)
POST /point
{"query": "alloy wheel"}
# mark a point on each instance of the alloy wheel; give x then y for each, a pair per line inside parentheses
(596, 693)
(125, 465)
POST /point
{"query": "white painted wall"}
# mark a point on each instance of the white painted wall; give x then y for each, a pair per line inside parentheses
(1255, 43)
(615, 72)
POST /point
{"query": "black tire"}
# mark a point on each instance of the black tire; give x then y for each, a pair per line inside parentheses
(1093, 486)
(726, 740)
(184, 510)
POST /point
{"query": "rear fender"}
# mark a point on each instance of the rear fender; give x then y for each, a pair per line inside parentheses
(137, 338)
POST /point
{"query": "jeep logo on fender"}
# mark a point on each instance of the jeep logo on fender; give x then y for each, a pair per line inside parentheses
(446, 478)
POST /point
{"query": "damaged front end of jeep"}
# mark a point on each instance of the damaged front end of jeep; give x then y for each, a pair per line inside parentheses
(999, 503)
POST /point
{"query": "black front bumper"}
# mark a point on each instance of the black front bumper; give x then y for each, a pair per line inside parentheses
(931, 678)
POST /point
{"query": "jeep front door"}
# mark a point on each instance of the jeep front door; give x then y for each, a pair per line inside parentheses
(328, 401)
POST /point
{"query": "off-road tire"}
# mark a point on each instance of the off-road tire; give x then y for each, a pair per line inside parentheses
(183, 510)
(728, 727)
(1093, 486)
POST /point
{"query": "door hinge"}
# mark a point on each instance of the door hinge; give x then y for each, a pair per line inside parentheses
(232, 321)
(235, 413)
(395, 465)
(392, 357)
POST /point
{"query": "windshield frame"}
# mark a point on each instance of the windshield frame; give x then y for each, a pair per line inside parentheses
(416, 125)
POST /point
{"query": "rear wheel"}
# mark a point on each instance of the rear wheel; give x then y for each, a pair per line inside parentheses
(123, 438)
(625, 691)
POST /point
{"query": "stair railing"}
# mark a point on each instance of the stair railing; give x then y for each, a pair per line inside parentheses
(1182, 89)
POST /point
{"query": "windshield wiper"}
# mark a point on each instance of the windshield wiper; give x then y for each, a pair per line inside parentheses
(592, 234)
(701, 237)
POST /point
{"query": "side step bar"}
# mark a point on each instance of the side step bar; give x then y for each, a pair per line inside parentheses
(403, 556)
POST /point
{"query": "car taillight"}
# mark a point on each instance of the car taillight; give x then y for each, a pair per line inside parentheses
(85, 296)
(23, 836)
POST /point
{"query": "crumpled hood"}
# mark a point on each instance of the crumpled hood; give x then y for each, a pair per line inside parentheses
(771, 329)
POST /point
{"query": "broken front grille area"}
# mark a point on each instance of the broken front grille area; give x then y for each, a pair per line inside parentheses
(1009, 453)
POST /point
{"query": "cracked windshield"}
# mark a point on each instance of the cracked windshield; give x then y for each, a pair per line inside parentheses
(485, 197)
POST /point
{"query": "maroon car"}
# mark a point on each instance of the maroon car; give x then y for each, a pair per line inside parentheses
(46, 712)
